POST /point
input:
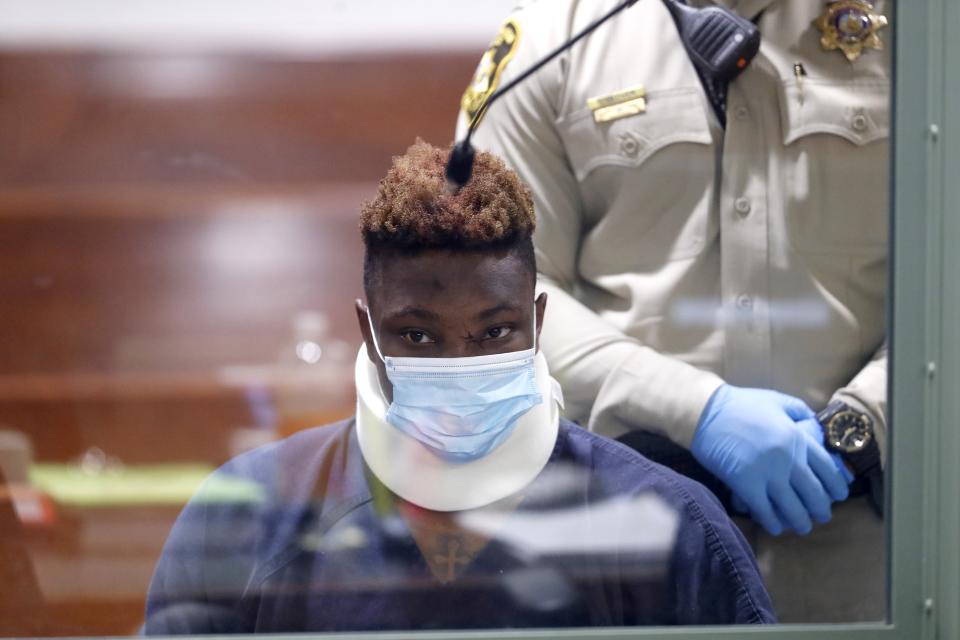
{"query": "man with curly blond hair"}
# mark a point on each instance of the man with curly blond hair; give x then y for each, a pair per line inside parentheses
(456, 498)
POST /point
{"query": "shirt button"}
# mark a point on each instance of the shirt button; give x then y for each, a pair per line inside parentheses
(742, 206)
(629, 145)
(859, 122)
(741, 113)
(744, 302)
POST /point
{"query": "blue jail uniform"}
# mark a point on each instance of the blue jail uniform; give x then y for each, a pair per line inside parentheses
(318, 552)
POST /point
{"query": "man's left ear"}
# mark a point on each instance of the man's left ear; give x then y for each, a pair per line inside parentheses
(541, 306)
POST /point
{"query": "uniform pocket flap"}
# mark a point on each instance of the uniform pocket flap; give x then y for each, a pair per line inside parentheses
(671, 117)
(856, 111)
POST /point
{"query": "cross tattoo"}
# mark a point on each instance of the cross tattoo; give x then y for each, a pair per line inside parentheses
(453, 555)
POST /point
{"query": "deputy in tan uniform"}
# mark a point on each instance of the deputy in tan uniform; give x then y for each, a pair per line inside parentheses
(696, 254)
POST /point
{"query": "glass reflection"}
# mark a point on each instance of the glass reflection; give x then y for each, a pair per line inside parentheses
(354, 556)
(179, 215)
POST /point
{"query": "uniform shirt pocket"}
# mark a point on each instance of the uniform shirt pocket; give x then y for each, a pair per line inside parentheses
(672, 117)
(836, 168)
(646, 183)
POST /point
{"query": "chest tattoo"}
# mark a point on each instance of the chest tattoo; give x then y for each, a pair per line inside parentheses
(447, 548)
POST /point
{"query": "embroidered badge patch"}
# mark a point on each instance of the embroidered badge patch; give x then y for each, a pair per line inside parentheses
(487, 77)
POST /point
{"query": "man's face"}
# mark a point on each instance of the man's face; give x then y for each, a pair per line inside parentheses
(447, 304)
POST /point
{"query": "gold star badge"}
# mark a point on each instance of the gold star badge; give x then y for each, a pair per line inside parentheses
(851, 26)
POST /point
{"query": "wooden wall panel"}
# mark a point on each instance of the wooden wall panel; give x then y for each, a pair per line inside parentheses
(170, 293)
(108, 119)
(163, 218)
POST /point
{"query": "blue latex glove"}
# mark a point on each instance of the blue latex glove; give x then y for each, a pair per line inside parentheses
(815, 430)
(755, 442)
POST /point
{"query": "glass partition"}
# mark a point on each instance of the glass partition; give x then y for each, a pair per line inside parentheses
(217, 410)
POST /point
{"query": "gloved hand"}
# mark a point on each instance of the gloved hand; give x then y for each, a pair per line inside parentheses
(756, 442)
(815, 430)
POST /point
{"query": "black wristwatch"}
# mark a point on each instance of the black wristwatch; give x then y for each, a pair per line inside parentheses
(849, 432)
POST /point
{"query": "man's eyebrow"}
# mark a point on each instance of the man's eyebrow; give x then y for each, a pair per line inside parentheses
(416, 312)
(489, 313)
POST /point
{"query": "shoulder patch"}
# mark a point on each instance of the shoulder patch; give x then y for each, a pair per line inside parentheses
(487, 77)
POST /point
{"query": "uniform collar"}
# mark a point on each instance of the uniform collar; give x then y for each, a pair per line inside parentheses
(414, 473)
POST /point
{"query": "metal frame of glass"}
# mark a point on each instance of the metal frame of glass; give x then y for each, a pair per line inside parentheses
(924, 593)
(941, 557)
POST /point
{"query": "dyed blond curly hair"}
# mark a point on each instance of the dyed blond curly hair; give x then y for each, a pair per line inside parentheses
(413, 209)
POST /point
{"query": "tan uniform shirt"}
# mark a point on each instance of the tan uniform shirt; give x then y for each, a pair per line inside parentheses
(678, 255)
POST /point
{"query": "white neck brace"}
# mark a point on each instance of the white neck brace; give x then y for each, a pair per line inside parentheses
(414, 473)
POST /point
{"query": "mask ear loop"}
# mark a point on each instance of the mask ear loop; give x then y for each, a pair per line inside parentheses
(534, 347)
(373, 336)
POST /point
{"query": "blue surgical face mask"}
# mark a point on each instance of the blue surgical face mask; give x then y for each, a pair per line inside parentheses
(461, 408)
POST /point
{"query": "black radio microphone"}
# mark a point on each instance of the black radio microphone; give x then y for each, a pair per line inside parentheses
(720, 44)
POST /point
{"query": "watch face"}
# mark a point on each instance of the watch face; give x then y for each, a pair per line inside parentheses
(848, 431)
